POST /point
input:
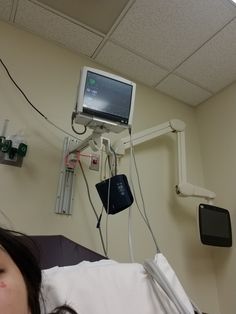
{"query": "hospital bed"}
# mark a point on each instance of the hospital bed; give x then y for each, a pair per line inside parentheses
(57, 250)
(92, 284)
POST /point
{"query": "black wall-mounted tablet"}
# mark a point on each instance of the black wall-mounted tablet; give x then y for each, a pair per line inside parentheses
(214, 225)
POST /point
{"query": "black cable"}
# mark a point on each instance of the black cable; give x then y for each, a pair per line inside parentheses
(17, 86)
(99, 221)
(94, 210)
(72, 119)
(79, 133)
(72, 125)
(100, 218)
(30, 103)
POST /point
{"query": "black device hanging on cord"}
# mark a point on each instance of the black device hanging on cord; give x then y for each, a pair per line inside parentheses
(115, 194)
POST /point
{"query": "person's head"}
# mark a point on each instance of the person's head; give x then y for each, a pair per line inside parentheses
(20, 276)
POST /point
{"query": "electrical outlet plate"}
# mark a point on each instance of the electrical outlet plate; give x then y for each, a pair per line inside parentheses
(94, 163)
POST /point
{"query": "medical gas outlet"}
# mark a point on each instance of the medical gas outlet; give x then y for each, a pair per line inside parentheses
(12, 151)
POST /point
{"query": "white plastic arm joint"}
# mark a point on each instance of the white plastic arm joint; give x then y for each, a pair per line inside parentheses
(188, 189)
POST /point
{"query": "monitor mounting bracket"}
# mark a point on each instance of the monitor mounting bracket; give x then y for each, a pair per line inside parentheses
(183, 188)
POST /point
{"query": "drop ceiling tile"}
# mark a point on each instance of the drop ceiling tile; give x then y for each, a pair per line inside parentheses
(214, 65)
(54, 27)
(5, 9)
(168, 31)
(183, 90)
(99, 15)
(130, 64)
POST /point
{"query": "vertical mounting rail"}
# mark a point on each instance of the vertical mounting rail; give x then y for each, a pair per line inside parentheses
(65, 190)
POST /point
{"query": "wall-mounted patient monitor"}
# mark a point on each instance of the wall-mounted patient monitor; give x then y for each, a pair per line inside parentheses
(214, 225)
(105, 100)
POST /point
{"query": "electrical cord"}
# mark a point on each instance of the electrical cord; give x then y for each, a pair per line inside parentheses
(130, 237)
(144, 214)
(130, 229)
(108, 160)
(115, 157)
(109, 164)
(31, 104)
(72, 125)
(107, 211)
(144, 207)
(94, 210)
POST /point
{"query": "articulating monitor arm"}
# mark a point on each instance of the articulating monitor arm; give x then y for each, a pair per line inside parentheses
(177, 126)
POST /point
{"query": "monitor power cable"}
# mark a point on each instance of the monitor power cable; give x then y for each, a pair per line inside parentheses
(31, 104)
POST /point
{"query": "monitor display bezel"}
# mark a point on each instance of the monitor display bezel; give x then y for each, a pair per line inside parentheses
(214, 240)
(92, 118)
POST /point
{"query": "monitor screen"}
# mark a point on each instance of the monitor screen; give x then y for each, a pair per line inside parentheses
(105, 98)
(214, 225)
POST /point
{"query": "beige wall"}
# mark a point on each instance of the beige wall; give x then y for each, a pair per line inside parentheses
(49, 74)
(216, 119)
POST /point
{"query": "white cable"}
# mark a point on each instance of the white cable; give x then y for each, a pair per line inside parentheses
(107, 211)
(144, 214)
(101, 164)
(93, 208)
(161, 279)
(130, 229)
(130, 237)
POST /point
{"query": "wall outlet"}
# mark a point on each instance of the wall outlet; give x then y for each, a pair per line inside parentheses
(94, 163)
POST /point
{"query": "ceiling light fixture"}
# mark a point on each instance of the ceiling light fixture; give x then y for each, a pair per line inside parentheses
(234, 1)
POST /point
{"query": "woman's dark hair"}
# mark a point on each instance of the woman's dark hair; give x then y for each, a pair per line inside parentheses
(64, 309)
(22, 251)
(17, 246)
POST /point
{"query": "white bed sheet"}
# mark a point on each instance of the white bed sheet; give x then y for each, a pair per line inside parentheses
(106, 287)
